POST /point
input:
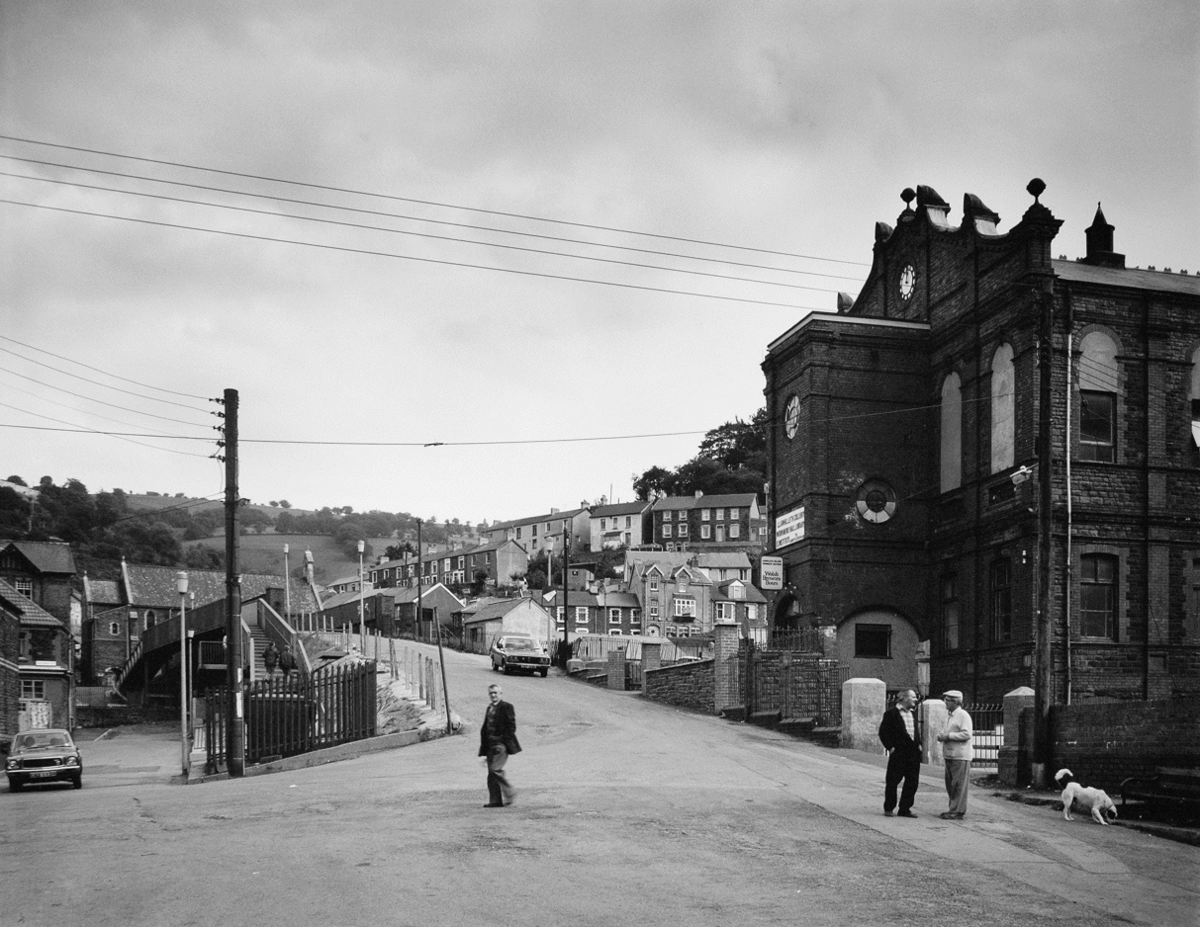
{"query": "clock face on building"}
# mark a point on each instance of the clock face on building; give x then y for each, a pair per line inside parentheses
(876, 502)
(908, 279)
(791, 416)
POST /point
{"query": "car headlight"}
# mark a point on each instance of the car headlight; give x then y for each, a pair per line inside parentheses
(71, 761)
(12, 764)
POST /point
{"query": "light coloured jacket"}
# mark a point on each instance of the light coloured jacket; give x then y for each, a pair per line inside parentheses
(958, 736)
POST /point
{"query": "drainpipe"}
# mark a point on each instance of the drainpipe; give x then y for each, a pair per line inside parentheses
(1069, 565)
(1148, 550)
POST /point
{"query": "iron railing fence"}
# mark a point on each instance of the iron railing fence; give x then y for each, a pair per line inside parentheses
(987, 722)
(285, 717)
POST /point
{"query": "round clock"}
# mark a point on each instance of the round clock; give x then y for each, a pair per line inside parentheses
(908, 278)
(876, 502)
(791, 416)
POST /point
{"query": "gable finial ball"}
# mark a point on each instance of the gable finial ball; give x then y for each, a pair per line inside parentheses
(908, 195)
(1036, 187)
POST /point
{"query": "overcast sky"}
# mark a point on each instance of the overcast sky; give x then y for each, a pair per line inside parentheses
(790, 128)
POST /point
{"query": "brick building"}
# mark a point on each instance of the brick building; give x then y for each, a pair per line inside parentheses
(700, 522)
(986, 435)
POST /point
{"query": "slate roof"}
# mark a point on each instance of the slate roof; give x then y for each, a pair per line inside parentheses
(1132, 277)
(28, 611)
(46, 556)
(497, 609)
(534, 519)
(154, 587)
(102, 592)
(721, 593)
(619, 508)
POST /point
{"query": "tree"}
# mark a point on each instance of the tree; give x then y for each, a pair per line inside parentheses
(273, 504)
(651, 484)
(17, 480)
(284, 504)
(398, 551)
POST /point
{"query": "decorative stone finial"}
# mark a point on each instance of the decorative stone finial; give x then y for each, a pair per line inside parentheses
(908, 195)
(1036, 187)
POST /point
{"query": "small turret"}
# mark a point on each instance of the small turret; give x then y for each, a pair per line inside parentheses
(1100, 243)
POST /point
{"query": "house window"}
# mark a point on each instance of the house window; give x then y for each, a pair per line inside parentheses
(735, 530)
(614, 616)
(1194, 395)
(737, 591)
(654, 610)
(150, 619)
(628, 521)
(533, 531)
(683, 529)
(733, 514)
(653, 584)
(603, 524)
(1097, 426)
(705, 531)
(114, 629)
(581, 614)
(951, 433)
(721, 514)
(25, 587)
(33, 688)
(951, 612)
(668, 515)
(1003, 408)
(626, 536)
(752, 611)
(666, 531)
(1000, 596)
(462, 562)
(725, 611)
(635, 618)
(873, 641)
(518, 534)
(685, 608)
(706, 514)
(559, 615)
(1098, 596)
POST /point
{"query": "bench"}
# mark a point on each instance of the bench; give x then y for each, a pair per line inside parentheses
(1178, 788)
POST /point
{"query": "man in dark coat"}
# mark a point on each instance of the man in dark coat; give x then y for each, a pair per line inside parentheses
(497, 742)
(900, 737)
(270, 659)
(287, 661)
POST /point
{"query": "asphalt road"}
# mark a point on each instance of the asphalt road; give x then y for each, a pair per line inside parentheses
(627, 813)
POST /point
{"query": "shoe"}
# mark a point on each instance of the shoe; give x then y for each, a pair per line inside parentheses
(907, 814)
(493, 804)
(887, 814)
(950, 816)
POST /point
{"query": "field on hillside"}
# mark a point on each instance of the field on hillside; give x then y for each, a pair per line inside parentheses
(140, 501)
(263, 553)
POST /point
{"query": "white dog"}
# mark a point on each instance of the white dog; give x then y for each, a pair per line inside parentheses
(1094, 800)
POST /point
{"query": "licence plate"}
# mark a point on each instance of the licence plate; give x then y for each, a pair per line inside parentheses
(43, 774)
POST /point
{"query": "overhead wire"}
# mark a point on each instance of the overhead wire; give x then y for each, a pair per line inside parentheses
(423, 202)
(448, 238)
(392, 215)
(113, 434)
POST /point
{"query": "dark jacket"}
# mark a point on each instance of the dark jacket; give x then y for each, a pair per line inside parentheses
(894, 735)
(506, 721)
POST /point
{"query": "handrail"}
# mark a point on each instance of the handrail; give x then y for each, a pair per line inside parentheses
(280, 630)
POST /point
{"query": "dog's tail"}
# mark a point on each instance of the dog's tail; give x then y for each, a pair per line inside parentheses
(1063, 777)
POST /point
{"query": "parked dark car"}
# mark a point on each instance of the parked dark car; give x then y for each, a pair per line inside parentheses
(519, 653)
(41, 756)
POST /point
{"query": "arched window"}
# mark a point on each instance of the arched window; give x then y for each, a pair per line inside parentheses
(1000, 599)
(1098, 596)
(1099, 386)
(1003, 408)
(951, 433)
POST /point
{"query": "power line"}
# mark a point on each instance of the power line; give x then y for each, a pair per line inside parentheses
(406, 199)
(101, 401)
(118, 389)
(450, 238)
(408, 257)
(161, 389)
(112, 434)
(390, 215)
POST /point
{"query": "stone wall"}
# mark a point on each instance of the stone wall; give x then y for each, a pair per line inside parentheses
(688, 685)
(1103, 744)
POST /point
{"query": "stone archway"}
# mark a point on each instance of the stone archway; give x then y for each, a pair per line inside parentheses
(786, 616)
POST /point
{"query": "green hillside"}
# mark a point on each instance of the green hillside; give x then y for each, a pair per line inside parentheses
(263, 553)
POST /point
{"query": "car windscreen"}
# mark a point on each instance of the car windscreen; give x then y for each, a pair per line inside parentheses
(519, 643)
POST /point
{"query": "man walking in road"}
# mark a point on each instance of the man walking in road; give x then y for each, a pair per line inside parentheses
(898, 733)
(497, 742)
(957, 753)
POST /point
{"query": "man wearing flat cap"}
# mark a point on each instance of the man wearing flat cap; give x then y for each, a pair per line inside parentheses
(957, 753)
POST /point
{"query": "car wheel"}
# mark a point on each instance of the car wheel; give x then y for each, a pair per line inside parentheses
(504, 668)
(77, 782)
(14, 785)
(544, 672)
(494, 666)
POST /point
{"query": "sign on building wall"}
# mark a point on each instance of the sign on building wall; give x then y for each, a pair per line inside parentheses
(789, 527)
(772, 573)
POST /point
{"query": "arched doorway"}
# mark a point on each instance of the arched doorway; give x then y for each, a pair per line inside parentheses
(880, 643)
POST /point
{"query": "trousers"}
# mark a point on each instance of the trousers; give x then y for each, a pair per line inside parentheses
(958, 783)
(500, 791)
(904, 765)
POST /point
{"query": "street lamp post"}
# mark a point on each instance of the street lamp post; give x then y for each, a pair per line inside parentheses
(287, 588)
(181, 586)
(362, 621)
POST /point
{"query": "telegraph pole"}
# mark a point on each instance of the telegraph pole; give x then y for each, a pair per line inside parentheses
(235, 741)
(565, 648)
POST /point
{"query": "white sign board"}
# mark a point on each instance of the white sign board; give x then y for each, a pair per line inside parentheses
(771, 569)
(789, 527)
